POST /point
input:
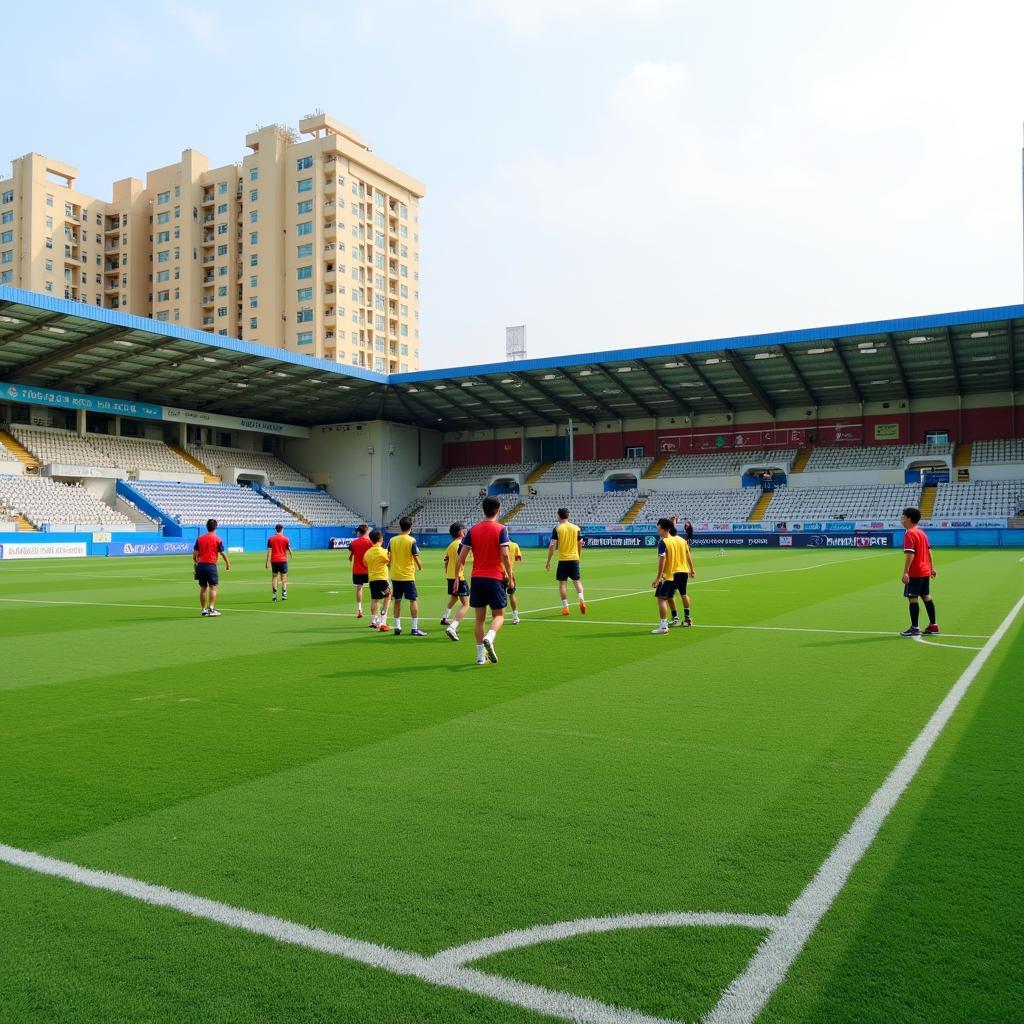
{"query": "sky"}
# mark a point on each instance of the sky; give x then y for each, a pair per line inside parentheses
(609, 173)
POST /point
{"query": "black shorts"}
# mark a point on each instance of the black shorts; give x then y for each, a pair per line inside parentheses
(404, 589)
(281, 567)
(919, 586)
(379, 589)
(666, 590)
(359, 579)
(487, 593)
(206, 574)
(458, 588)
(568, 571)
(680, 580)
(510, 590)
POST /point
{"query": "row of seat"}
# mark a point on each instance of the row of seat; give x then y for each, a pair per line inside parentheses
(978, 500)
(229, 504)
(217, 458)
(317, 507)
(879, 501)
(700, 506)
(989, 452)
(463, 476)
(43, 501)
(892, 456)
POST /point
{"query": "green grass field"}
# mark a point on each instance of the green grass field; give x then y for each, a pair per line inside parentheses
(287, 760)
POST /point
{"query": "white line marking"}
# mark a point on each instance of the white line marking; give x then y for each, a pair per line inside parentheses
(587, 621)
(952, 647)
(481, 948)
(506, 990)
(172, 607)
(744, 999)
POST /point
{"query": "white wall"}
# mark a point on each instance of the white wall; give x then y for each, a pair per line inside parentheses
(1007, 471)
(12, 468)
(337, 455)
(855, 478)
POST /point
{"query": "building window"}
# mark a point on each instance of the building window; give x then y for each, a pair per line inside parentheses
(222, 188)
(304, 251)
(304, 294)
(6, 276)
(7, 256)
(404, 330)
(254, 216)
(222, 209)
(48, 264)
(7, 217)
(163, 217)
(48, 286)
(163, 275)
(222, 292)
(254, 303)
(304, 185)
(222, 250)
(306, 206)
(304, 163)
(162, 316)
(378, 323)
(304, 228)
(222, 311)
(162, 237)
(254, 237)
(254, 174)
(252, 323)
(6, 237)
(48, 242)
(222, 271)
(49, 202)
(254, 195)
(304, 273)
(304, 316)
(7, 197)
(254, 281)
(254, 260)
(222, 229)
(163, 256)
(164, 296)
(304, 338)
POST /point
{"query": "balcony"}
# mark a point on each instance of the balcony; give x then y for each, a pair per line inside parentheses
(208, 218)
(330, 184)
(330, 228)
(209, 301)
(208, 279)
(208, 199)
(110, 286)
(209, 259)
(112, 246)
(329, 248)
(209, 239)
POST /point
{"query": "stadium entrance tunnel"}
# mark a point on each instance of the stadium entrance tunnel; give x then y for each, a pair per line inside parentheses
(620, 481)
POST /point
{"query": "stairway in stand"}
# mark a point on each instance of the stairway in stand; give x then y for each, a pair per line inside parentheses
(539, 472)
(209, 477)
(801, 460)
(630, 516)
(962, 455)
(655, 468)
(24, 526)
(928, 494)
(512, 513)
(761, 507)
(19, 451)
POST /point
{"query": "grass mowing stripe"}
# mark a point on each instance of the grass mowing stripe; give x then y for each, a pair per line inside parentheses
(746, 997)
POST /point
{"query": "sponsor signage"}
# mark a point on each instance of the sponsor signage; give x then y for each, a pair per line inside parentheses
(750, 527)
(102, 538)
(887, 431)
(339, 543)
(858, 540)
(149, 547)
(89, 403)
(212, 419)
(73, 549)
(621, 541)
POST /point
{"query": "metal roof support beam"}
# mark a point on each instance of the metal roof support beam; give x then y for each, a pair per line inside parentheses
(139, 351)
(559, 403)
(744, 374)
(488, 422)
(898, 367)
(36, 325)
(952, 362)
(606, 410)
(787, 357)
(506, 416)
(38, 365)
(520, 400)
(634, 397)
(665, 388)
(716, 394)
(425, 416)
(844, 366)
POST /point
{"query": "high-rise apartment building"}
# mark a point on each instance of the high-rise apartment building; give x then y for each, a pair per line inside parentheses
(310, 243)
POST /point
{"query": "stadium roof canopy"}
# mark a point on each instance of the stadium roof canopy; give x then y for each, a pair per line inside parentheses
(68, 346)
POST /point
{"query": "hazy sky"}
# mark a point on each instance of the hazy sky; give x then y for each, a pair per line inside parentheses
(608, 173)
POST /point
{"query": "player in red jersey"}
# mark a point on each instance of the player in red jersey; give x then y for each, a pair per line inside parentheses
(488, 541)
(278, 550)
(208, 548)
(356, 555)
(918, 572)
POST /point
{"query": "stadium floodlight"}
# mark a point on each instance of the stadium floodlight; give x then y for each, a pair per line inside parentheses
(918, 339)
(624, 369)
(712, 361)
(763, 355)
(979, 334)
(818, 351)
(868, 351)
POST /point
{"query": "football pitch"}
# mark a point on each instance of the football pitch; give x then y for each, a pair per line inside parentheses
(785, 814)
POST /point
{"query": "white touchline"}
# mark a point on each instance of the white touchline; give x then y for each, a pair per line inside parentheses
(744, 999)
(948, 647)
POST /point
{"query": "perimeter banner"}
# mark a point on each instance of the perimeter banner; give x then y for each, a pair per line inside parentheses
(149, 547)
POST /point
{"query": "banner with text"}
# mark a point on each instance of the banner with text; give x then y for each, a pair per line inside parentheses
(69, 400)
(213, 419)
(73, 549)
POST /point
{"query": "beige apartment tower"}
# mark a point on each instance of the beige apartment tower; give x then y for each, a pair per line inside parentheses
(311, 243)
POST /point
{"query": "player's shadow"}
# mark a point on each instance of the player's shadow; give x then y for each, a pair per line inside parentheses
(848, 641)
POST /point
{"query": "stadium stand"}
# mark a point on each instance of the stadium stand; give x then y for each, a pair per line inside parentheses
(593, 469)
(50, 446)
(465, 476)
(700, 506)
(277, 471)
(134, 454)
(725, 463)
(43, 501)
(828, 460)
(317, 507)
(438, 513)
(541, 511)
(229, 504)
(994, 452)
(979, 500)
(881, 501)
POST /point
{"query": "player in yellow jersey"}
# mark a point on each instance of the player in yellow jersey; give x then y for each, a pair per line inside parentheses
(515, 554)
(405, 562)
(675, 567)
(376, 559)
(566, 539)
(455, 581)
